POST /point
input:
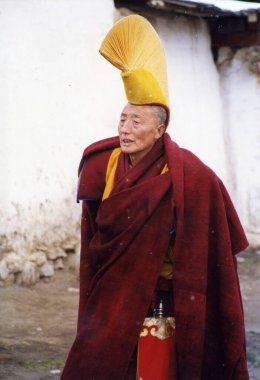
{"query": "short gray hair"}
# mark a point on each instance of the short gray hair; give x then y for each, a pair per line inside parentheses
(160, 113)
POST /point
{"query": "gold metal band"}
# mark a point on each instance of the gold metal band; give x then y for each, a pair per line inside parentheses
(161, 328)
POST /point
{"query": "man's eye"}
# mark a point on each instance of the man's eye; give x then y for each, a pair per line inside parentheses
(136, 122)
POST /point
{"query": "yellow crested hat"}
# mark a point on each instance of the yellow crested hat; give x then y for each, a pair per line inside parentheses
(133, 46)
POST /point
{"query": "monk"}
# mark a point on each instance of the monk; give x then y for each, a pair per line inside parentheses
(159, 291)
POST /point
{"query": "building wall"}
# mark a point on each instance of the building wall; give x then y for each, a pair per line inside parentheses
(58, 95)
(240, 92)
(56, 99)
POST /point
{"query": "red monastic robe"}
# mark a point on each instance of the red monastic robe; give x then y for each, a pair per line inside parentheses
(124, 241)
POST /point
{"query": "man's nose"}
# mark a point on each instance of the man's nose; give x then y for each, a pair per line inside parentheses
(126, 127)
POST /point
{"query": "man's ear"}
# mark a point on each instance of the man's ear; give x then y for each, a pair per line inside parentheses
(160, 130)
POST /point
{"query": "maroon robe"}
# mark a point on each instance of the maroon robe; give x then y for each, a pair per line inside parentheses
(124, 242)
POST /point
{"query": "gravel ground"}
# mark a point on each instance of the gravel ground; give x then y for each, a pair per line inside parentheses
(37, 325)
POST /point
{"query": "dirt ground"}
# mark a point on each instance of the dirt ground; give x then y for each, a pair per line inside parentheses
(37, 325)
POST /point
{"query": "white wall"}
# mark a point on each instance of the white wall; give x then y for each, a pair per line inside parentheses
(58, 95)
(240, 92)
(55, 99)
(194, 88)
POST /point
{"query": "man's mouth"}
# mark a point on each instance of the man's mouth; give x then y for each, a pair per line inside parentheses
(126, 141)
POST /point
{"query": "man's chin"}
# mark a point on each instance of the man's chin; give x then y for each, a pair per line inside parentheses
(127, 149)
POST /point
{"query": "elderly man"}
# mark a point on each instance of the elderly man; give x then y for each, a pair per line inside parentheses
(159, 293)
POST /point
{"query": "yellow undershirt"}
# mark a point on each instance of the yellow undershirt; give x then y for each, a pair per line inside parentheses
(166, 271)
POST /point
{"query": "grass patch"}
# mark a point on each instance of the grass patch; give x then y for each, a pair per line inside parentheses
(252, 357)
(42, 364)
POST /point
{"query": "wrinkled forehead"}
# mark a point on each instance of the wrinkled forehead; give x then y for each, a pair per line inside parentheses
(136, 110)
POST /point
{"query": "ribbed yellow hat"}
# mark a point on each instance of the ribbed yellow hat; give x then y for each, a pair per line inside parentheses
(133, 46)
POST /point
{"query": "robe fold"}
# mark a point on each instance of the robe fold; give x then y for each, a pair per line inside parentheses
(124, 240)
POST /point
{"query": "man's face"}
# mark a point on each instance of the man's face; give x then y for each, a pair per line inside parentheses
(139, 128)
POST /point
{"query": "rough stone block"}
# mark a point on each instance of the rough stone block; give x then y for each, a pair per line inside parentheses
(14, 262)
(3, 270)
(30, 274)
(39, 258)
(56, 253)
(58, 264)
(47, 270)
